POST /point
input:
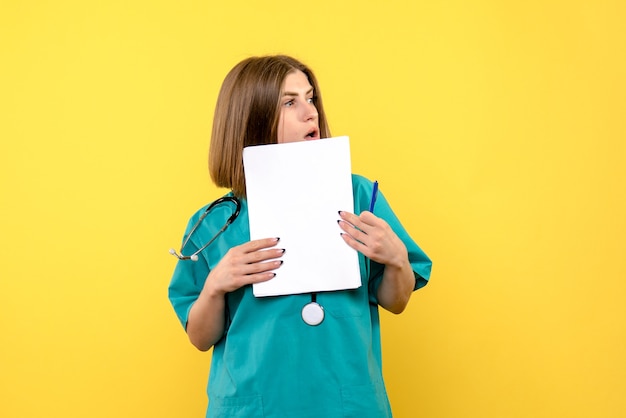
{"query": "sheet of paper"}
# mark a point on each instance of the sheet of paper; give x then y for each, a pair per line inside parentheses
(294, 192)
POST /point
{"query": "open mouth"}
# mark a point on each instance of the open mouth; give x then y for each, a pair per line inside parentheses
(313, 134)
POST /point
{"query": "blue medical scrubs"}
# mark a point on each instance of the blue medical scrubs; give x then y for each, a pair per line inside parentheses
(269, 362)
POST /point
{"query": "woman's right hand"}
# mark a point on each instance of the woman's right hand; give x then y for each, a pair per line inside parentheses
(245, 264)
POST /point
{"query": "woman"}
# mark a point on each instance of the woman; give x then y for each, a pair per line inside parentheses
(267, 362)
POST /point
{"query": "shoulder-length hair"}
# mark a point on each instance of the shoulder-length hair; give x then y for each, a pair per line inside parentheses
(247, 113)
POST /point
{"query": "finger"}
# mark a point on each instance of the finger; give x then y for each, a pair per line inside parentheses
(356, 244)
(353, 231)
(262, 255)
(259, 244)
(255, 251)
(263, 267)
(242, 255)
(364, 222)
(348, 217)
(258, 278)
(349, 220)
(241, 275)
(242, 267)
(261, 272)
(247, 279)
(369, 218)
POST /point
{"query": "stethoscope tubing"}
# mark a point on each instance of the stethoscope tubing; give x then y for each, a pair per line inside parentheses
(230, 220)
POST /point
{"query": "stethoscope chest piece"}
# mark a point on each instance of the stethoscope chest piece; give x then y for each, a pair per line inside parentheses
(313, 313)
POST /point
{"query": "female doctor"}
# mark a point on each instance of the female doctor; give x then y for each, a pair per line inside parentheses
(269, 360)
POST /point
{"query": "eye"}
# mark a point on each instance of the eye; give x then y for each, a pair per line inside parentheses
(289, 103)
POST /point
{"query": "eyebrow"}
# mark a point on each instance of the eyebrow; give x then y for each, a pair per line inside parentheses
(290, 93)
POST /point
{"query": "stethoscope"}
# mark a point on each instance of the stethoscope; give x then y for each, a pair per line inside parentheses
(194, 256)
(312, 313)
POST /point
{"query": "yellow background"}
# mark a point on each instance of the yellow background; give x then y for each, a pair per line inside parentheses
(496, 129)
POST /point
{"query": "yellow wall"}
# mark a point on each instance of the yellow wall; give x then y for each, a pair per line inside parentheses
(496, 129)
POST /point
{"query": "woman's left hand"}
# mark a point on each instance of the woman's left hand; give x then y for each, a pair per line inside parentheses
(373, 237)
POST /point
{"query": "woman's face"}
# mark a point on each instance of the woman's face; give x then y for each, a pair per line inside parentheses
(298, 119)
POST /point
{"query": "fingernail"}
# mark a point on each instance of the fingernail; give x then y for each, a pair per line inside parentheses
(284, 250)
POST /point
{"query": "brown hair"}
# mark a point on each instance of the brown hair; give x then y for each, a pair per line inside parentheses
(247, 113)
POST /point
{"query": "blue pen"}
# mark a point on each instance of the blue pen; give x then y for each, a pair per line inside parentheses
(374, 195)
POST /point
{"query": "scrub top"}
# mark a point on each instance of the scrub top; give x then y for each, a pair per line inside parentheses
(269, 363)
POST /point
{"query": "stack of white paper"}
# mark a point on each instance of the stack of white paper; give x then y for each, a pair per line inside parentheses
(294, 192)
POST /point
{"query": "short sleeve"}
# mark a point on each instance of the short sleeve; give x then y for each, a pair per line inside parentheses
(188, 280)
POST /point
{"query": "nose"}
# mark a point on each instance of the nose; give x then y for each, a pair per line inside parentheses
(310, 112)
